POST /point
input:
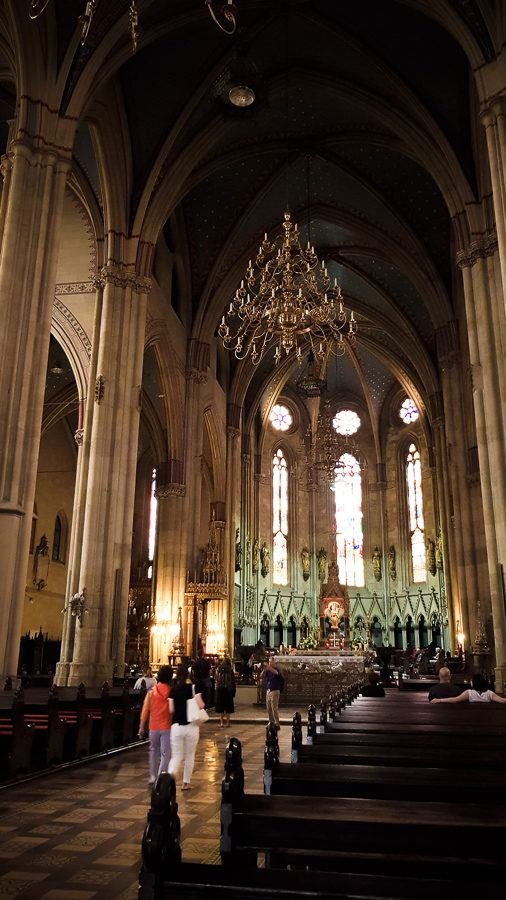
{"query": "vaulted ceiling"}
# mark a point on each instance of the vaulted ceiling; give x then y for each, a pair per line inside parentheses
(363, 125)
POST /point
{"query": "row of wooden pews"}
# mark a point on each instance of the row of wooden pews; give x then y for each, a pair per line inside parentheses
(387, 798)
(39, 731)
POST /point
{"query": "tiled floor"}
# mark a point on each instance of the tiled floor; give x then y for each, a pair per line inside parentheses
(76, 835)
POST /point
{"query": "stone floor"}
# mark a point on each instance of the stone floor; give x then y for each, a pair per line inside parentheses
(75, 834)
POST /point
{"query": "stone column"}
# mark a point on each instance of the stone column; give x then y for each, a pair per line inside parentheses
(170, 569)
(83, 440)
(233, 495)
(494, 121)
(107, 527)
(487, 371)
(457, 507)
(196, 367)
(31, 212)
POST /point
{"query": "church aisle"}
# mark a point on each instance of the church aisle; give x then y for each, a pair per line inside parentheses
(76, 835)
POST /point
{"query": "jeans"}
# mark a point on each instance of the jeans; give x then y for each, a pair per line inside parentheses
(184, 741)
(272, 703)
(159, 753)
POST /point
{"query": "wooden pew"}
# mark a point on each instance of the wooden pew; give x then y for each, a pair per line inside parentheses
(16, 737)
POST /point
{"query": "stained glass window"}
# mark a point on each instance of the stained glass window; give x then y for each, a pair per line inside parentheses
(281, 418)
(347, 489)
(153, 511)
(408, 411)
(279, 518)
(415, 513)
(346, 422)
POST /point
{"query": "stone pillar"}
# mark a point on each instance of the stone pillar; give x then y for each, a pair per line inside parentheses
(487, 371)
(233, 495)
(494, 121)
(170, 568)
(31, 212)
(458, 523)
(83, 440)
(196, 367)
(104, 568)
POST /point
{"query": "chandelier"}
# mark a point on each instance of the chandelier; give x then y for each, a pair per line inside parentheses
(327, 447)
(286, 299)
(223, 13)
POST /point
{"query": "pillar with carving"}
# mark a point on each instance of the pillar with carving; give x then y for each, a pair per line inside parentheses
(99, 638)
(34, 171)
(233, 499)
(487, 371)
(170, 563)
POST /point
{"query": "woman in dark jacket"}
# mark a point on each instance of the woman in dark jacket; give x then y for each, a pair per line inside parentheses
(184, 734)
(225, 691)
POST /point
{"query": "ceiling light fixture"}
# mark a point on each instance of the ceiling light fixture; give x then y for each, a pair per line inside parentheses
(225, 17)
(327, 447)
(241, 95)
(286, 299)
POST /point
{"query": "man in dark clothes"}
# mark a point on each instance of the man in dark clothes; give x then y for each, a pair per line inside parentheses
(445, 688)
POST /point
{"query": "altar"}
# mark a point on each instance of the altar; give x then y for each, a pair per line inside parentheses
(311, 675)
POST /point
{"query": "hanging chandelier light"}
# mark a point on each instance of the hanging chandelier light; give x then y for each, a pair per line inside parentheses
(327, 447)
(223, 13)
(286, 299)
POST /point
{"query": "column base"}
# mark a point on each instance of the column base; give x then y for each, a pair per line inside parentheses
(500, 679)
(91, 674)
(61, 674)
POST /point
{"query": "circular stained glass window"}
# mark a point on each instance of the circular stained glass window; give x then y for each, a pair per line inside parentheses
(280, 418)
(408, 411)
(346, 422)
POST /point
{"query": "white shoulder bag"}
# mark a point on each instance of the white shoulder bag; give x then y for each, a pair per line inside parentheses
(194, 714)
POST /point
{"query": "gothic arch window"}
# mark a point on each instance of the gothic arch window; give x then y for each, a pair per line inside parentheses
(410, 632)
(153, 514)
(59, 537)
(415, 513)
(347, 488)
(279, 518)
(423, 639)
(397, 634)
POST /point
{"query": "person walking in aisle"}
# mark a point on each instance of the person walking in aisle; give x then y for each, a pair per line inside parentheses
(185, 735)
(273, 685)
(156, 709)
(225, 691)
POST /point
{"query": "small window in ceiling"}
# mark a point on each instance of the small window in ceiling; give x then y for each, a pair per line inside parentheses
(408, 411)
(346, 422)
(281, 418)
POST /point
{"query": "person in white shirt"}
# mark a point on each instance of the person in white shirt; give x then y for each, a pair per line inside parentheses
(479, 693)
(148, 678)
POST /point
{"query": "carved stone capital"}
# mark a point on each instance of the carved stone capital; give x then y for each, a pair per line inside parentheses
(78, 436)
(484, 246)
(196, 376)
(118, 276)
(99, 389)
(170, 490)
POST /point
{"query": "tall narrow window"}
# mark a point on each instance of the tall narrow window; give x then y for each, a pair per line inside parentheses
(347, 489)
(279, 518)
(57, 539)
(153, 511)
(415, 513)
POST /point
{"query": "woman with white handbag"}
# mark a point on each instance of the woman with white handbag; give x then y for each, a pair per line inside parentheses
(187, 710)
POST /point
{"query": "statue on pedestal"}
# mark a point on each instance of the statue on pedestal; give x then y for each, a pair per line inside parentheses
(376, 563)
(392, 571)
(431, 556)
(255, 555)
(265, 559)
(306, 563)
(322, 563)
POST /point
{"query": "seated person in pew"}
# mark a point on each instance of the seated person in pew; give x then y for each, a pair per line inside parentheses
(373, 688)
(445, 688)
(479, 693)
(148, 678)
